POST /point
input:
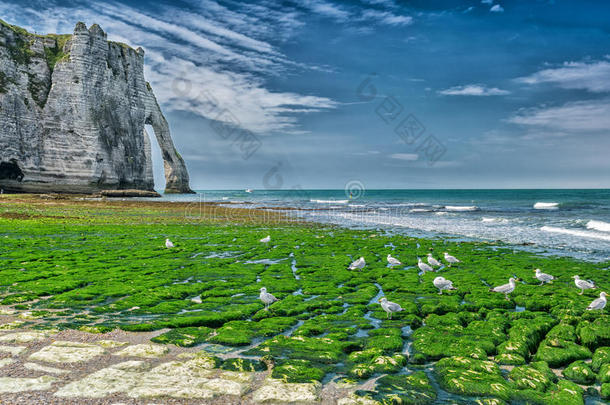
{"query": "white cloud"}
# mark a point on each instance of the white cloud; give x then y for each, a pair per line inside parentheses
(224, 53)
(574, 117)
(593, 77)
(404, 156)
(487, 1)
(327, 9)
(497, 9)
(473, 90)
(387, 17)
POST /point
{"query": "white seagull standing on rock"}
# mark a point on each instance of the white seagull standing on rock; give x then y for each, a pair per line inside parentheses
(168, 244)
(450, 259)
(266, 239)
(543, 277)
(432, 261)
(423, 266)
(358, 264)
(443, 284)
(389, 307)
(267, 298)
(599, 303)
(393, 261)
(583, 284)
(505, 288)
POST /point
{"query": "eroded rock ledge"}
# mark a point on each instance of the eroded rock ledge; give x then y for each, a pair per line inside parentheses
(73, 110)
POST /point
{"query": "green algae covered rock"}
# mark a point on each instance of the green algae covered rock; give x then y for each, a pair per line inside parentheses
(297, 371)
(470, 377)
(509, 359)
(595, 334)
(185, 337)
(535, 376)
(389, 340)
(605, 391)
(559, 352)
(525, 334)
(604, 374)
(373, 361)
(243, 365)
(579, 372)
(600, 357)
(565, 393)
(414, 389)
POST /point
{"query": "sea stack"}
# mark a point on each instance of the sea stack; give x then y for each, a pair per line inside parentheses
(73, 110)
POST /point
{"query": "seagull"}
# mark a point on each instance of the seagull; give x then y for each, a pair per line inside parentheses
(543, 277)
(393, 261)
(266, 239)
(443, 284)
(267, 298)
(423, 266)
(358, 264)
(168, 244)
(505, 288)
(389, 307)
(583, 284)
(450, 259)
(432, 261)
(599, 303)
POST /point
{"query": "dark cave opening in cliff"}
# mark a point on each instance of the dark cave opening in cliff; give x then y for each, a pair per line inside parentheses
(157, 159)
(10, 171)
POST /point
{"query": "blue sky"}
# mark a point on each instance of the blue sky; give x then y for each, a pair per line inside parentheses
(508, 94)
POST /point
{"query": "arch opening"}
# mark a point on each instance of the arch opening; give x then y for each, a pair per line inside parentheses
(157, 160)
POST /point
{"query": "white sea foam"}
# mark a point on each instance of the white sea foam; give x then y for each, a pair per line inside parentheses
(598, 226)
(416, 210)
(576, 232)
(546, 206)
(461, 208)
(329, 201)
(494, 220)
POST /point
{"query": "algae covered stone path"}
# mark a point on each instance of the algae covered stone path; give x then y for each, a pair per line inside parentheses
(94, 309)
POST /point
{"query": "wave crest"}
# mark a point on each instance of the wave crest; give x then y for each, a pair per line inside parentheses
(546, 206)
(598, 226)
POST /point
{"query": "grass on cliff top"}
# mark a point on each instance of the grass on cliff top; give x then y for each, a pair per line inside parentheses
(98, 265)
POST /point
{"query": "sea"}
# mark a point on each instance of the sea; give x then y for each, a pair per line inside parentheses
(557, 222)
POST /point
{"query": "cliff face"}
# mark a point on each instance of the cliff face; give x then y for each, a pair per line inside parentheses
(73, 110)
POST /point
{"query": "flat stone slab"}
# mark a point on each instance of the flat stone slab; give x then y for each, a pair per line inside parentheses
(144, 350)
(278, 392)
(14, 350)
(191, 379)
(6, 362)
(25, 337)
(12, 385)
(44, 369)
(68, 352)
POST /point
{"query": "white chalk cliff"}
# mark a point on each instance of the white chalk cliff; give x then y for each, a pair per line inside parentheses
(73, 110)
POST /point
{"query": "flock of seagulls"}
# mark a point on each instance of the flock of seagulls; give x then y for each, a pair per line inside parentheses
(440, 282)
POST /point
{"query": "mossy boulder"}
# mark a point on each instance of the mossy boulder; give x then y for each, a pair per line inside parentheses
(559, 352)
(297, 371)
(378, 363)
(595, 334)
(535, 376)
(600, 357)
(605, 391)
(470, 377)
(414, 389)
(604, 374)
(185, 337)
(579, 372)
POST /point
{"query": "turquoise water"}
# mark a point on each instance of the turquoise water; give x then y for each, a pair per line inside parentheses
(572, 222)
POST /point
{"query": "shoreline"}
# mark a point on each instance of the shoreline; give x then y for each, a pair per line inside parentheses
(101, 266)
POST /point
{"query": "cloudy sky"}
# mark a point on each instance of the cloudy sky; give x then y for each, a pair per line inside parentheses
(394, 94)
